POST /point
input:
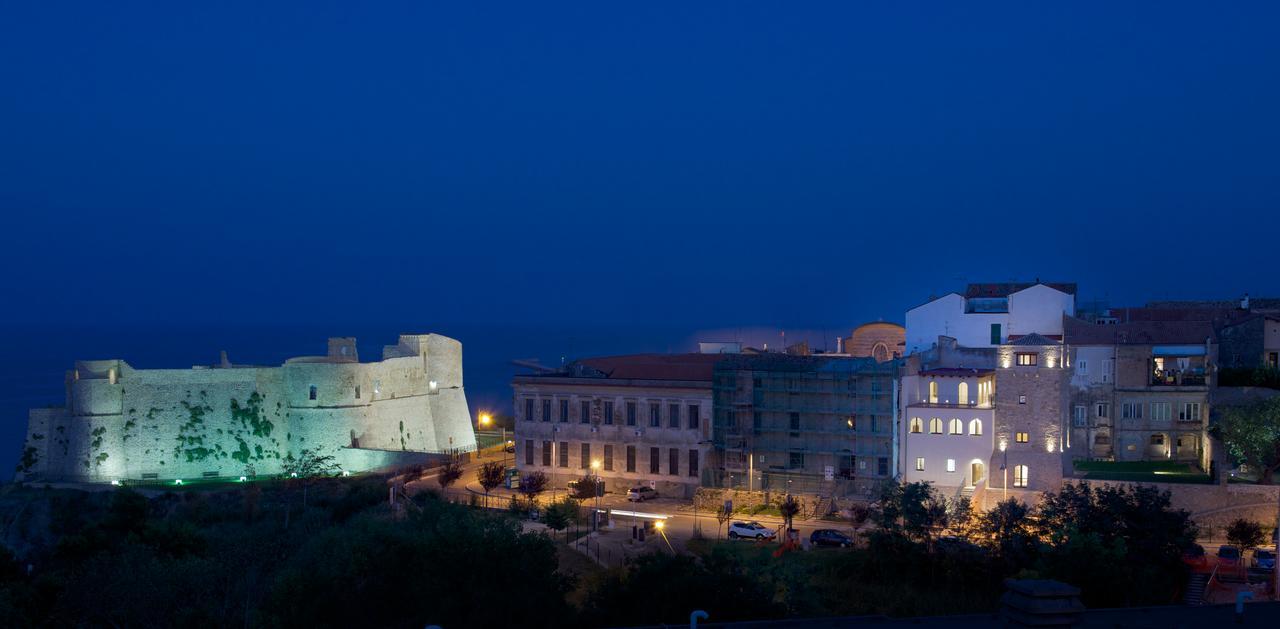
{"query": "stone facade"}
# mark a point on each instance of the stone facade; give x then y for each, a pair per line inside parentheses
(1030, 392)
(122, 423)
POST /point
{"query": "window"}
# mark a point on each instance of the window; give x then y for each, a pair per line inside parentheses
(654, 420)
(933, 392)
(608, 413)
(655, 456)
(1021, 437)
(608, 458)
(585, 463)
(528, 409)
(1102, 410)
(1131, 410)
(873, 423)
(1273, 359)
(1190, 412)
(564, 411)
(1080, 419)
(1022, 399)
(693, 463)
(882, 466)
(757, 422)
(357, 391)
(631, 413)
(935, 426)
(312, 392)
(919, 464)
(693, 416)
(962, 393)
(673, 462)
(584, 412)
(862, 464)
(797, 461)
(564, 454)
(1161, 411)
(995, 333)
(1026, 359)
(1107, 368)
(951, 465)
(1157, 440)
(1082, 368)
(975, 427)
(1019, 476)
(917, 425)
(631, 458)
(795, 424)
(528, 451)
(957, 427)
(673, 416)
(377, 387)
(546, 454)
(546, 410)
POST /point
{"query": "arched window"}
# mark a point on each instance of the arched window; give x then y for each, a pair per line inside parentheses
(935, 426)
(933, 391)
(880, 352)
(962, 396)
(957, 427)
(917, 425)
(975, 426)
(1019, 476)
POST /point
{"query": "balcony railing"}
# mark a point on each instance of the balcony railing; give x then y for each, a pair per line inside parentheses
(927, 404)
(1178, 379)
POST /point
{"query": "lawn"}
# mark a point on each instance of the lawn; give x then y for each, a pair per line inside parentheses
(1141, 471)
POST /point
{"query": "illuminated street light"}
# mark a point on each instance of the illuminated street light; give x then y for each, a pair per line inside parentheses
(595, 465)
(485, 420)
(659, 525)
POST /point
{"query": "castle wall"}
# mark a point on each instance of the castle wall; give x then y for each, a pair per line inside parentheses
(124, 423)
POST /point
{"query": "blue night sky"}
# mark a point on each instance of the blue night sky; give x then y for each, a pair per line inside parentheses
(529, 173)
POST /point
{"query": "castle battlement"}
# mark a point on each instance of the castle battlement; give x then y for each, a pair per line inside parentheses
(227, 420)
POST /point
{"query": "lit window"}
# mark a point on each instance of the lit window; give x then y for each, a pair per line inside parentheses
(919, 464)
(975, 427)
(1022, 437)
(957, 427)
(951, 465)
(1026, 360)
(917, 425)
(933, 392)
(1022, 399)
(1019, 476)
(962, 394)
(935, 426)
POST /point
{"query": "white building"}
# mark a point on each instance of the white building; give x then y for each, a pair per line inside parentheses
(987, 315)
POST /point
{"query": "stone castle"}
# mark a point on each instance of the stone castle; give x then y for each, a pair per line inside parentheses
(226, 421)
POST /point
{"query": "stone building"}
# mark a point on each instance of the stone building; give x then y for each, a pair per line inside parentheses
(645, 418)
(1139, 391)
(879, 340)
(805, 424)
(122, 423)
(948, 401)
(1030, 391)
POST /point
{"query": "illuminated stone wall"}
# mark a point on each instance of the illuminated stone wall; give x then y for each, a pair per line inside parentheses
(226, 421)
(1028, 399)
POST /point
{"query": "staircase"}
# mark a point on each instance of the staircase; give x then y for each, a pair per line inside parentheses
(823, 507)
(966, 492)
(1196, 585)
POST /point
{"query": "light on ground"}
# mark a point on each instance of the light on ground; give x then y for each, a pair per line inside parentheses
(294, 475)
(243, 478)
(116, 483)
(177, 481)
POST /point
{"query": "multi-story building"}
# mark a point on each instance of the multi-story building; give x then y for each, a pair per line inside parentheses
(1030, 392)
(948, 395)
(805, 424)
(644, 418)
(987, 315)
(1140, 390)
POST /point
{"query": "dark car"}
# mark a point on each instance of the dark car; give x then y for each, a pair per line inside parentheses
(1228, 555)
(830, 537)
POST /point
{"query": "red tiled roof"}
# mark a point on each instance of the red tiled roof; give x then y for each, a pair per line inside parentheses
(656, 366)
(1078, 332)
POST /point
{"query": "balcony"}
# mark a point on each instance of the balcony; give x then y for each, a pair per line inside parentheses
(1176, 378)
(974, 404)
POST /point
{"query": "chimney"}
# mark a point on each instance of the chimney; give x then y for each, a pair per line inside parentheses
(839, 345)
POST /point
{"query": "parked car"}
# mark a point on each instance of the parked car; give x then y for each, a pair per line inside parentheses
(1264, 558)
(641, 494)
(1194, 556)
(750, 530)
(511, 447)
(830, 537)
(1228, 555)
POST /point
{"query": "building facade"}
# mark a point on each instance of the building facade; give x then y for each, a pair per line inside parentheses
(121, 423)
(1030, 393)
(948, 401)
(820, 425)
(987, 315)
(1139, 391)
(645, 419)
(879, 340)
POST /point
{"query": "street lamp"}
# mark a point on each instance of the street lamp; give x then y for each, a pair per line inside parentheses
(595, 486)
(1004, 466)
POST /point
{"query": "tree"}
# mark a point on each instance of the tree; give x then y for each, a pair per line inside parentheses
(789, 508)
(586, 488)
(490, 475)
(532, 484)
(449, 473)
(304, 469)
(1251, 434)
(559, 515)
(910, 509)
(1245, 533)
(1007, 529)
(723, 514)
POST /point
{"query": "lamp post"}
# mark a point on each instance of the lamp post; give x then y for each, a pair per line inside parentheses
(595, 487)
(1004, 466)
